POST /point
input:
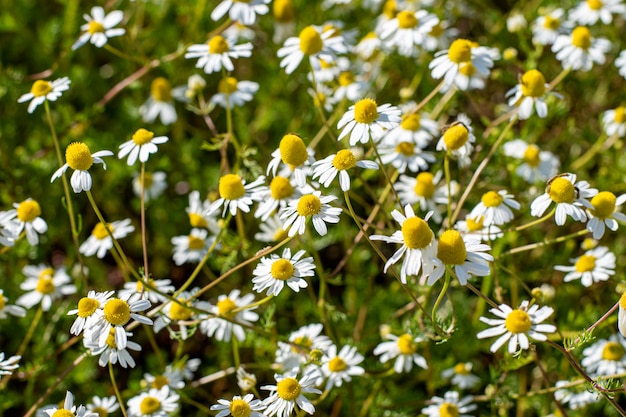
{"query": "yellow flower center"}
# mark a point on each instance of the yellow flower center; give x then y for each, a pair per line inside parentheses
(594, 4)
(467, 69)
(585, 263)
(41, 88)
(531, 156)
(101, 412)
(492, 199)
(303, 342)
(117, 312)
(279, 235)
(460, 51)
(283, 11)
(45, 284)
(231, 187)
(148, 180)
(474, 225)
(239, 408)
(337, 364)
(281, 188)
(416, 233)
(310, 41)
(581, 37)
(424, 185)
(161, 90)
(390, 8)
(142, 136)
(3, 302)
(533, 84)
(451, 249)
(603, 204)
(612, 351)
(87, 306)
(448, 410)
(288, 389)
(436, 30)
(159, 382)
(28, 210)
(227, 85)
(561, 190)
(551, 23)
(344, 159)
(406, 148)
(293, 150)
(411, 122)
(149, 405)
(225, 306)
(456, 136)
(78, 156)
(461, 369)
(620, 115)
(346, 78)
(518, 321)
(218, 45)
(282, 269)
(622, 301)
(406, 344)
(406, 20)
(365, 111)
(197, 220)
(95, 27)
(110, 341)
(195, 242)
(309, 205)
(180, 312)
(63, 413)
(100, 231)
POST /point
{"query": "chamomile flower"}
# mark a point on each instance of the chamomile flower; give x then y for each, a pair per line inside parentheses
(528, 95)
(425, 190)
(461, 375)
(26, 216)
(288, 394)
(103, 406)
(44, 90)
(575, 399)
(245, 380)
(142, 144)
(284, 13)
(458, 139)
(80, 159)
(477, 229)
(313, 42)
(225, 321)
(516, 326)
(580, 50)
(547, 27)
(620, 63)
(404, 155)
(368, 46)
(160, 103)
(495, 208)
(198, 213)
(69, 409)
(604, 213)
(462, 252)
(570, 198)
(595, 265)
(403, 349)
(163, 286)
(11, 309)
(153, 184)
(588, 12)
(231, 93)
(89, 310)
(328, 168)
(440, 36)
(171, 377)
(116, 313)
(280, 191)
(239, 407)
(351, 87)
(7, 366)
(407, 30)
(236, 195)
(366, 120)
(192, 247)
(99, 242)
(271, 230)
(417, 129)
(293, 153)
(99, 27)
(341, 367)
(606, 356)
(614, 121)
(217, 54)
(274, 272)
(109, 351)
(180, 313)
(239, 11)
(154, 403)
(312, 206)
(462, 52)
(44, 285)
(419, 246)
(302, 343)
(537, 164)
(450, 405)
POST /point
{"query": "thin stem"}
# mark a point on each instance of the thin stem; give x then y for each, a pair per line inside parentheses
(591, 152)
(533, 223)
(427, 98)
(144, 243)
(544, 243)
(446, 170)
(120, 400)
(121, 54)
(446, 284)
(236, 352)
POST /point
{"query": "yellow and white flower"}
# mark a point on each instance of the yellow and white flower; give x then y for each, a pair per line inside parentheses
(99, 242)
(579, 50)
(327, 169)
(236, 195)
(529, 94)
(99, 27)
(462, 52)
(340, 367)
(366, 119)
(407, 30)
(570, 198)
(604, 213)
(160, 103)
(537, 164)
(244, 12)
(69, 409)
(288, 394)
(588, 12)
(231, 93)
(595, 265)
(238, 406)
(274, 272)
(45, 284)
(403, 349)
(226, 314)
(44, 90)
(605, 357)
(25, 216)
(313, 42)
(495, 208)
(142, 144)
(312, 206)
(89, 310)
(449, 405)
(154, 403)
(547, 27)
(80, 159)
(217, 53)
(614, 120)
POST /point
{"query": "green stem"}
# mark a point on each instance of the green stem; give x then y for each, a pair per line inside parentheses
(121, 54)
(544, 243)
(446, 284)
(144, 243)
(120, 400)
(533, 223)
(236, 352)
(446, 170)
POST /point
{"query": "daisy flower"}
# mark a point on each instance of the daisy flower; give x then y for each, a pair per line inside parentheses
(274, 272)
(588, 12)
(45, 285)
(288, 394)
(368, 46)
(69, 409)
(461, 375)
(606, 356)
(239, 32)
(243, 12)
(580, 50)
(407, 30)
(449, 405)
(314, 206)
(416, 129)
(116, 313)
(464, 253)
(271, 230)
(595, 265)
(44, 90)
(154, 403)
(197, 211)
(99, 27)
(366, 120)
(153, 184)
(7, 366)
(6, 308)
(328, 168)
(284, 13)
(238, 406)
(80, 159)
(217, 53)
(99, 242)
(403, 154)
(314, 43)
(548, 27)
(192, 247)
(110, 352)
(245, 380)
(457, 139)
(494, 208)
(475, 227)
(224, 324)
(528, 95)
(614, 121)
(163, 286)
(342, 366)
(419, 245)
(180, 313)
(350, 87)
(424, 189)
(281, 190)
(516, 326)
(301, 343)
(89, 310)
(235, 194)
(575, 400)
(604, 213)
(447, 64)
(26, 216)
(8, 228)
(234, 93)
(403, 349)
(142, 144)
(620, 63)
(293, 153)
(103, 406)
(160, 103)
(536, 165)
(570, 198)
(173, 378)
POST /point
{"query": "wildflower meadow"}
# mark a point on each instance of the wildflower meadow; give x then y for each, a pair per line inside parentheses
(258, 208)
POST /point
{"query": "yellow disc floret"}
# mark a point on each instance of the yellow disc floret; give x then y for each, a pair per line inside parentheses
(218, 45)
(406, 20)
(100, 231)
(467, 69)
(179, 311)
(231, 187)
(293, 150)
(474, 225)
(411, 122)
(461, 369)
(309, 205)
(586, 263)
(424, 185)
(288, 389)
(337, 364)
(595, 4)
(448, 410)
(227, 85)
(416, 233)
(195, 242)
(581, 37)
(159, 382)
(551, 23)
(346, 78)
(87, 306)
(365, 111)
(142, 136)
(406, 344)
(406, 148)
(281, 188)
(533, 84)
(149, 405)
(78, 156)
(456, 136)
(63, 413)
(612, 351)
(282, 269)
(518, 321)
(603, 204)
(451, 249)
(284, 11)
(117, 312)
(41, 88)
(197, 220)
(239, 408)
(620, 115)
(531, 156)
(310, 41)
(460, 51)
(344, 159)
(45, 285)
(95, 27)
(492, 199)
(561, 190)
(161, 90)
(28, 210)
(225, 307)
